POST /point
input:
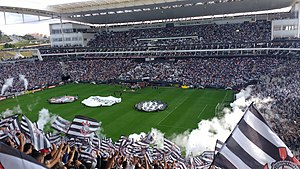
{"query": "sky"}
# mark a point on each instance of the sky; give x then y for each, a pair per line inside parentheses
(14, 23)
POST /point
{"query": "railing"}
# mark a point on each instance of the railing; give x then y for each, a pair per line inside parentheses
(237, 51)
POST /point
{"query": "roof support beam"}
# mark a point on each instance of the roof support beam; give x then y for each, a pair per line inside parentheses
(4, 17)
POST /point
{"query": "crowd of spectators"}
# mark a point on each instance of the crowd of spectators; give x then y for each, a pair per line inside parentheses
(259, 31)
(205, 72)
(282, 85)
(277, 77)
(37, 73)
(66, 156)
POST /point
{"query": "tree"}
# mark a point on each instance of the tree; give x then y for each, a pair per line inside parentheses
(28, 37)
(8, 45)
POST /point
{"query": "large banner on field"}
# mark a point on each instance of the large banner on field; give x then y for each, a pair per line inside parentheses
(96, 101)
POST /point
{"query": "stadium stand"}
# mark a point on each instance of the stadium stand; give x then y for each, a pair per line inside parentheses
(231, 55)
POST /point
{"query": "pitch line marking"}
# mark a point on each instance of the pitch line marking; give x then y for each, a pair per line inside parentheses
(172, 110)
(202, 111)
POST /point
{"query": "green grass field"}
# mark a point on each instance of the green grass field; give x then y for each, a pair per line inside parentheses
(186, 107)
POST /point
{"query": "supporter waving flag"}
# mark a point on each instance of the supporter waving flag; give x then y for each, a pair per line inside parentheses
(61, 124)
(54, 138)
(13, 130)
(3, 135)
(121, 142)
(83, 126)
(106, 144)
(5, 122)
(95, 141)
(86, 152)
(171, 149)
(253, 144)
(11, 158)
(36, 136)
(10, 128)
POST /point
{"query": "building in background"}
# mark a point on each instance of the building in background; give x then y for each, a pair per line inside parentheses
(70, 34)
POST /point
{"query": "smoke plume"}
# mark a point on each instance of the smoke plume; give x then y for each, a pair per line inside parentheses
(10, 112)
(8, 83)
(24, 80)
(204, 137)
(45, 117)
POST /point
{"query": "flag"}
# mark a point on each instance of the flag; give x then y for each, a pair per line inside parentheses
(137, 148)
(94, 141)
(148, 138)
(61, 125)
(106, 144)
(73, 142)
(54, 138)
(37, 137)
(157, 154)
(197, 161)
(13, 128)
(83, 126)
(121, 142)
(86, 152)
(180, 165)
(253, 144)
(6, 121)
(13, 158)
(3, 135)
(171, 149)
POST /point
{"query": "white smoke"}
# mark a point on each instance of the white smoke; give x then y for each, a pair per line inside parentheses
(158, 137)
(10, 112)
(100, 131)
(8, 83)
(45, 117)
(24, 80)
(204, 137)
(7, 113)
(137, 137)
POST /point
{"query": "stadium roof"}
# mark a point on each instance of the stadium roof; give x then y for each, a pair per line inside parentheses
(28, 11)
(122, 11)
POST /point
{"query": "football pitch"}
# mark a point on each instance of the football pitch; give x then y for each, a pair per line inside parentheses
(186, 107)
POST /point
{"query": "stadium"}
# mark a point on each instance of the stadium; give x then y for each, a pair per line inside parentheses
(163, 84)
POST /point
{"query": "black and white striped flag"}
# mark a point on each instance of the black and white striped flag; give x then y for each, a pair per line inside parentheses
(86, 152)
(95, 141)
(197, 161)
(13, 128)
(121, 142)
(7, 120)
(83, 126)
(37, 137)
(253, 144)
(54, 138)
(3, 135)
(61, 124)
(13, 158)
(171, 149)
(106, 144)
